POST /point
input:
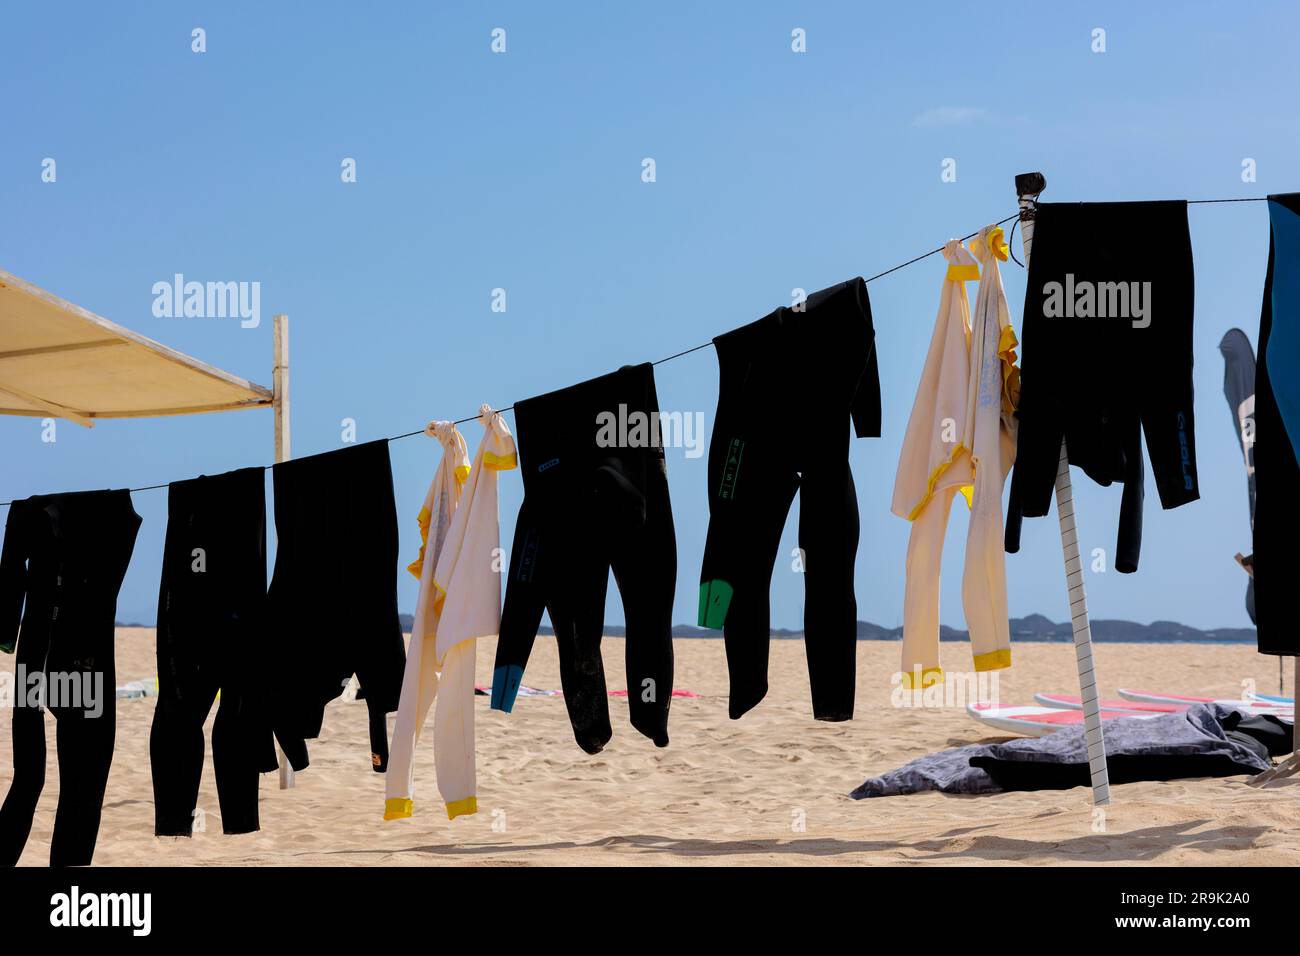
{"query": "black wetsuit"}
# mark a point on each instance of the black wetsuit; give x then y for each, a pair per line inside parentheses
(333, 595)
(1277, 474)
(211, 632)
(65, 557)
(593, 501)
(1101, 382)
(788, 386)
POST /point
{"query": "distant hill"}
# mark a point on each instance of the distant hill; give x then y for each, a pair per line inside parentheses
(1035, 627)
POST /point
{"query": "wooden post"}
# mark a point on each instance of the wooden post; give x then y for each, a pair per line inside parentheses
(1028, 188)
(280, 405)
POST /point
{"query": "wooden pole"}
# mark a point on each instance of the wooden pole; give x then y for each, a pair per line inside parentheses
(280, 404)
(1028, 188)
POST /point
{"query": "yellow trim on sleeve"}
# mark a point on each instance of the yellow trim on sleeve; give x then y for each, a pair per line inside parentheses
(500, 462)
(1007, 343)
(963, 273)
(423, 519)
(929, 676)
(398, 808)
(462, 472)
(993, 660)
(934, 480)
(459, 807)
(997, 244)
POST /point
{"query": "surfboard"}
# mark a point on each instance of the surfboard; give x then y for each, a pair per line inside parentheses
(1038, 721)
(1259, 701)
(1066, 702)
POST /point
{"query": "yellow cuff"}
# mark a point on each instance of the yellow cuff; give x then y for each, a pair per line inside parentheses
(997, 244)
(423, 520)
(398, 808)
(933, 480)
(993, 660)
(963, 273)
(929, 675)
(458, 807)
(500, 462)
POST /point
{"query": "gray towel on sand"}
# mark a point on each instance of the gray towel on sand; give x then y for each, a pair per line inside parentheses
(1200, 742)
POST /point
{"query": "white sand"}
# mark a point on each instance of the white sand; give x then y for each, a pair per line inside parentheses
(769, 789)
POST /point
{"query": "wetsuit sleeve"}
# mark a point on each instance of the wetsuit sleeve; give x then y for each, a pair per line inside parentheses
(13, 575)
(866, 403)
(522, 613)
(379, 671)
(1038, 455)
(1011, 539)
(1128, 544)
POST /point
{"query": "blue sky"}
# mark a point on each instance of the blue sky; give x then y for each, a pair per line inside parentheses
(522, 170)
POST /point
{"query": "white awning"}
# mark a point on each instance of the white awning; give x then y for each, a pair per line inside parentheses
(62, 361)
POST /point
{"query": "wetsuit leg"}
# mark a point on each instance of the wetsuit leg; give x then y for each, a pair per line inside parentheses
(85, 745)
(176, 746)
(28, 724)
(828, 537)
(752, 482)
(525, 600)
(85, 737)
(376, 653)
(577, 610)
(645, 569)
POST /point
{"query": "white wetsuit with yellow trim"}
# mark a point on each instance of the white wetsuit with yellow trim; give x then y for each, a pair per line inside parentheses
(960, 438)
(459, 602)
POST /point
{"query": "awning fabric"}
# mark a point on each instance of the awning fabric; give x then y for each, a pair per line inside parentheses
(59, 360)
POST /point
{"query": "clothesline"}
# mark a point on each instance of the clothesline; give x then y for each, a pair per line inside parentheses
(704, 345)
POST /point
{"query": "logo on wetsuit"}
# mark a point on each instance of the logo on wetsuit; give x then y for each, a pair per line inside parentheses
(1185, 454)
(731, 469)
(528, 556)
(547, 465)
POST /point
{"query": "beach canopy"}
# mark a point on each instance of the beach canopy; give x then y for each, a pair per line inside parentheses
(59, 360)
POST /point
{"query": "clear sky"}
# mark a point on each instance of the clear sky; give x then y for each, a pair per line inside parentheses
(522, 170)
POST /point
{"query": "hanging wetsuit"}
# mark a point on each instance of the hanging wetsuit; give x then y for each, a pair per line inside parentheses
(459, 602)
(211, 629)
(1277, 434)
(787, 386)
(1107, 342)
(333, 595)
(595, 497)
(960, 438)
(64, 557)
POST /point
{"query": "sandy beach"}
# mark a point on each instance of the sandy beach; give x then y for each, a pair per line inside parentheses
(771, 788)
